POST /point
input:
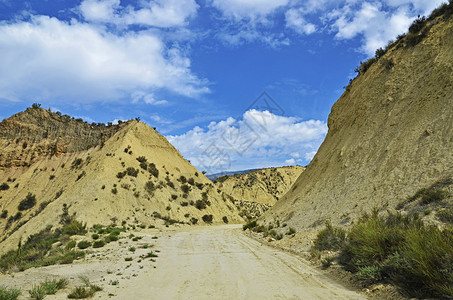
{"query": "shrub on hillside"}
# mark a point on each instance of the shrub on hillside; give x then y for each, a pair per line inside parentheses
(185, 188)
(84, 244)
(330, 238)
(401, 249)
(207, 218)
(4, 186)
(153, 170)
(28, 202)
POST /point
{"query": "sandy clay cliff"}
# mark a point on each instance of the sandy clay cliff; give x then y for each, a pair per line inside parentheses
(104, 174)
(390, 134)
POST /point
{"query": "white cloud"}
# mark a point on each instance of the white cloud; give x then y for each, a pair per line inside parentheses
(424, 6)
(290, 161)
(375, 25)
(295, 20)
(259, 135)
(248, 9)
(48, 59)
(159, 13)
(309, 155)
(160, 120)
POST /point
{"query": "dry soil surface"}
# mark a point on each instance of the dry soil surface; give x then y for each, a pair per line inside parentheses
(212, 262)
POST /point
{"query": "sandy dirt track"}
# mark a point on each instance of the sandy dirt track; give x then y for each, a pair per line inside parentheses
(222, 263)
(212, 262)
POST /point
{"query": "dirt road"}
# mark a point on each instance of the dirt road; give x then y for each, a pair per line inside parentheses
(222, 263)
(213, 262)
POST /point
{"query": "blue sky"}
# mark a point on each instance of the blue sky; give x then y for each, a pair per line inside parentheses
(193, 68)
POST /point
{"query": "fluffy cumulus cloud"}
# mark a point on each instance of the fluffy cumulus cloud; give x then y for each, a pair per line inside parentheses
(376, 23)
(158, 13)
(49, 58)
(296, 21)
(257, 135)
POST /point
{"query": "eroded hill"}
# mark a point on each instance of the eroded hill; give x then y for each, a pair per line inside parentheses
(256, 191)
(390, 134)
(134, 176)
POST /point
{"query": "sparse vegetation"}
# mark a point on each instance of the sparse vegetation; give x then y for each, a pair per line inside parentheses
(86, 291)
(400, 249)
(153, 170)
(9, 293)
(28, 202)
(77, 163)
(250, 225)
(330, 238)
(207, 218)
(150, 187)
(185, 188)
(84, 244)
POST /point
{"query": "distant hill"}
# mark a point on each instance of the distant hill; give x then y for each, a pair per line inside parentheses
(213, 177)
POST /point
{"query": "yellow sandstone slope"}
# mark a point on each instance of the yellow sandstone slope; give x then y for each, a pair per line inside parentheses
(390, 134)
(104, 183)
(263, 186)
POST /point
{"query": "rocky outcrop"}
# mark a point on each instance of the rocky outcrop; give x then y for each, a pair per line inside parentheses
(37, 133)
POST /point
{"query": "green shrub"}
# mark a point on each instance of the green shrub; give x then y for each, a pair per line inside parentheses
(142, 159)
(84, 244)
(182, 179)
(70, 245)
(128, 259)
(153, 170)
(114, 191)
(71, 255)
(191, 181)
(9, 293)
(132, 249)
(369, 274)
(330, 238)
(4, 214)
(28, 202)
(225, 219)
(4, 186)
(150, 187)
(132, 171)
(37, 292)
(86, 291)
(194, 220)
(200, 204)
(250, 225)
(76, 163)
(75, 228)
(95, 236)
(207, 218)
(401, 249)
(185, 188)
(98, 244)
(121, 174)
